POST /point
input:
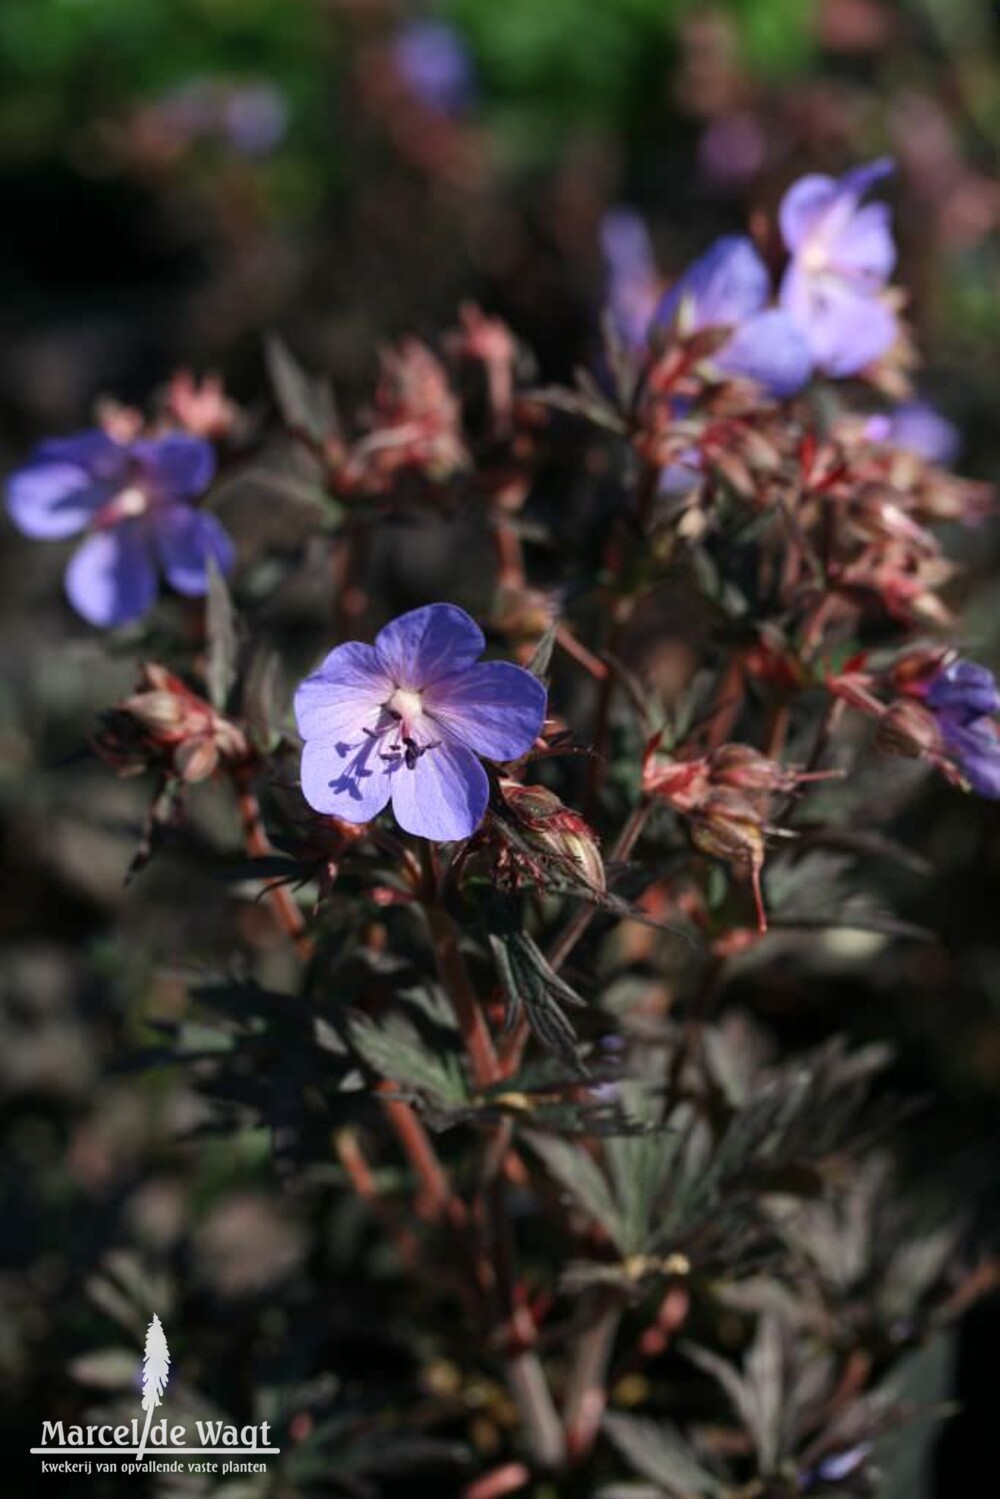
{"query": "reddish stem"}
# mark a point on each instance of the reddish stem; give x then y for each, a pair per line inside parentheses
(353, 1160)
(439, 1200)
(504, 1480)
(454, 976)
(258, 845)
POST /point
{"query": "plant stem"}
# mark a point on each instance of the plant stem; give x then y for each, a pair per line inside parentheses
(455, 978)
(587, 1386)
(439, 1200)
(258, 846)
(533, 1398)
(575, 929)
(359, 1173)
(506, 1479)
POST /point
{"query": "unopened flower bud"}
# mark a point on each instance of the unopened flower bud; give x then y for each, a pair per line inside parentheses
(913, 672)
(166, 725)
(746, 769)
(728, 826)
(555, 831)
(682, 783)
(907, 728)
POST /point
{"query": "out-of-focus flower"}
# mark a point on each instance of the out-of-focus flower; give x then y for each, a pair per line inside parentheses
(253, 118)
(727, 291)
(965, 690)
(732, 150)
(633, 285)
(963, 698)
(166, 726)
(918, 428)
(835, 1468)
(434, 61)
(416, 425)
(842, 255)
(135, 501)
(405, 720)
(944, 712)
(490, 342)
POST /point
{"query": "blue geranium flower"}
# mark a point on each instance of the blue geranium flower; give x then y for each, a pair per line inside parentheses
(963, 698)
(405, 719)
(135, 501)
(729, 288)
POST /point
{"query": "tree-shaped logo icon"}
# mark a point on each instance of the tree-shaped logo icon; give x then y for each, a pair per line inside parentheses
(155, 1373)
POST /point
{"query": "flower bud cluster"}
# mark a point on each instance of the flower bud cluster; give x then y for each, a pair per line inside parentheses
(166, 726)
(725, 797)
(538, 840)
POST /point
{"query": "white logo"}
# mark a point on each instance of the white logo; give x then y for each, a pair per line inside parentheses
(155, 1373)
(84, 1449)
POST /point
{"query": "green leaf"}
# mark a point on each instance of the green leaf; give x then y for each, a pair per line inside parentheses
(221, 671)
(529, 982)
(576, 1170)
(395, 1050)
(659, 1452)
(305, 401)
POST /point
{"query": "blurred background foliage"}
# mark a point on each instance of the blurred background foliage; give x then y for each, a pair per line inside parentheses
(180, 176)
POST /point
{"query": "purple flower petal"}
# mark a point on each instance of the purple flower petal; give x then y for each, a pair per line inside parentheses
(728, 284)
(865, 246)
(964, 689)
(632, 283)
(495, 708)
(976, 746)
(859, 180)
(920, 429)
(434, 60)
(845, 329)
(443, 796)
(347, 780)
(344, 697)
(179, 467)
(186, 538)
(802, 207)
(51, 499)
(111, 579)
(419, 647)
(769, 349)
(93, 450)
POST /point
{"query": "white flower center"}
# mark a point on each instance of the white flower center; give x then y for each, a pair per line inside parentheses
(131, 501)
(407, 706)
(814, 258)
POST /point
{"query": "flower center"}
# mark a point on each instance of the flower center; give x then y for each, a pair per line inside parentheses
(131, 501)
(406, 704)
(128, 504)
(814, 259)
